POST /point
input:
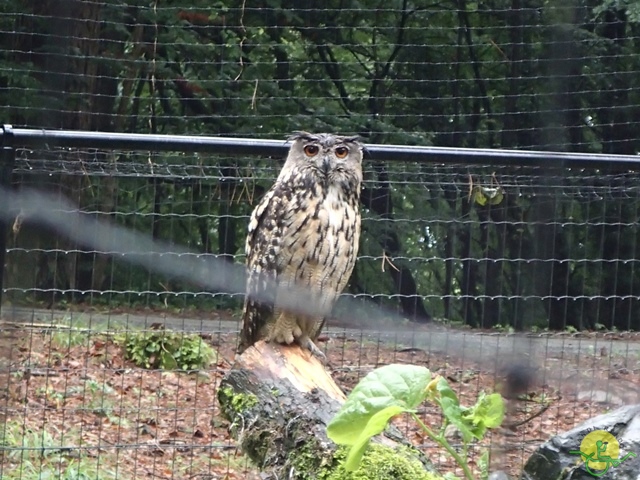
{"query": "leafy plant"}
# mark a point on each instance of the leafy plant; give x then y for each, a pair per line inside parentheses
(168, 350)
(395, 389)
(70, 332)
(38, 454)
(99, 401)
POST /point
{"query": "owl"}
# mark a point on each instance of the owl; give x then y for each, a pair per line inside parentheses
(303, 241)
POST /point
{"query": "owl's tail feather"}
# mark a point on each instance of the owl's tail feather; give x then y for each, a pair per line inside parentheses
(251, 326)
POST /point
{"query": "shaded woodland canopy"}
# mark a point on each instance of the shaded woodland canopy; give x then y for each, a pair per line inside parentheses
(557, 248)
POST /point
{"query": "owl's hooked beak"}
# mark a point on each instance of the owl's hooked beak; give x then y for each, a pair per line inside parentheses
(326, 165)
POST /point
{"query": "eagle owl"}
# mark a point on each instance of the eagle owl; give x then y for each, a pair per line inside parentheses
(304, 234)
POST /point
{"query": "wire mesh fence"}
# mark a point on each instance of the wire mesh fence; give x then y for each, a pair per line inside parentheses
(520, 74)
(95, 345)
(517, 246)
(94, 348)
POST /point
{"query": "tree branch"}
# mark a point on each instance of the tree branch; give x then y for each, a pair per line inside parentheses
(333, 70)
(475, 64)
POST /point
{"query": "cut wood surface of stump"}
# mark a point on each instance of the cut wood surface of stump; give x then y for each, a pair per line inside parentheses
(279, 400)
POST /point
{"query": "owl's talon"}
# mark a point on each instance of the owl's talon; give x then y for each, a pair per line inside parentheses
(308, 344)
(281, 338)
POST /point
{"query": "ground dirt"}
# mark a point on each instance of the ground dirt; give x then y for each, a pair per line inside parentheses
(73, 393)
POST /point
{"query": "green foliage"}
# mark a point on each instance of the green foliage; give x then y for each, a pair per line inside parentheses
(381, 463)
(487, 195)
(43, 454)
(67, 338)
(630, 7)
(75, 330)
(381, 395)
(395, 389)
(239, 402)
(220, 68)
(168, 350)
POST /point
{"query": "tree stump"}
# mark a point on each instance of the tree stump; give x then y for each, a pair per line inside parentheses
(279, 400)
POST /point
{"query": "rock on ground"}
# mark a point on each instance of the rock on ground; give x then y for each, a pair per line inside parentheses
(552, 461)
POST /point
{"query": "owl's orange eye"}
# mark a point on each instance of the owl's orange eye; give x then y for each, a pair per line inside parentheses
(311, 150)
(341, 152)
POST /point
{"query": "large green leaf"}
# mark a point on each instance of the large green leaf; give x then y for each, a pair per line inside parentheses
(376, 424)
(452, 410)
(488, 412)
(472, 422)
(393, 385)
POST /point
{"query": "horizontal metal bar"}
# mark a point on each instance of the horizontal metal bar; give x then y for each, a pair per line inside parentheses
(38, 138)
(26, 137)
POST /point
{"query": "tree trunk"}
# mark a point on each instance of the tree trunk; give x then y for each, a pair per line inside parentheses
(468, 285)
(379, 201)
(493, 252)
(77, 89)
(279, 401)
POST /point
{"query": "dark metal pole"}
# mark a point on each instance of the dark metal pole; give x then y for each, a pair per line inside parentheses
(35, 138)
(7, 160)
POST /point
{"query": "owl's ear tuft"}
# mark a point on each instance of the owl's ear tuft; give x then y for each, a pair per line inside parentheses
(353, 139)
(301, 135)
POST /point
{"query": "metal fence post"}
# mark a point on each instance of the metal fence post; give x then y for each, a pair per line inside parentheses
(7, 160)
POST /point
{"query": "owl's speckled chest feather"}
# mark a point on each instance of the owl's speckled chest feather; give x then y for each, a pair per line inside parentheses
(328, 226)
(320, 243)
(303, 234)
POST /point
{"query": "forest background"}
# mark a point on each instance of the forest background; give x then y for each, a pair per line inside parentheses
(500, 245)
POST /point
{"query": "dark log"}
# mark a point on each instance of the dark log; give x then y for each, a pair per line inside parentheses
(279, 401)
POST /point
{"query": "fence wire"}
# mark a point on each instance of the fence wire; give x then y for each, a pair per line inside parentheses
(546, 251)
(498, 247)
(561, 75)
(482, 245)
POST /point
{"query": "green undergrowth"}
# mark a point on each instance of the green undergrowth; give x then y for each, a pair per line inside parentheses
(397, 389)
(152, 349)
(47, 454)
(381, 463)
(166, 350)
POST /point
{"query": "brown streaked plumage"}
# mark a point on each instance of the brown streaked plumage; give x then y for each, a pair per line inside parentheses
(304, 233)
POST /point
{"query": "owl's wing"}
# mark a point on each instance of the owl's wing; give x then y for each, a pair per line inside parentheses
(263, 245)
